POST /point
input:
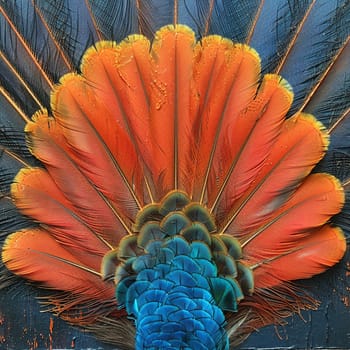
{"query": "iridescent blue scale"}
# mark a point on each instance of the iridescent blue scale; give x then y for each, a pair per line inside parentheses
(180, 277)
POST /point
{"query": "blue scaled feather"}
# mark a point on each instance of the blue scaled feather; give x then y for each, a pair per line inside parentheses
(183, 281)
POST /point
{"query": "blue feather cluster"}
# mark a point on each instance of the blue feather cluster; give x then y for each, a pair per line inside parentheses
(172, 297)
(178, 276)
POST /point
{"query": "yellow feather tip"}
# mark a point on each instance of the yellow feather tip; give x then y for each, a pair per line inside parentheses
(342, 240)
(318, 126)
(134, 38)
(19, 179)
(216, 40)
(36, 117)
(281, 83)
(178, 28)
(64, 81)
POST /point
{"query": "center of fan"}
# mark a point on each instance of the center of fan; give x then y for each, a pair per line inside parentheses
(176, 275)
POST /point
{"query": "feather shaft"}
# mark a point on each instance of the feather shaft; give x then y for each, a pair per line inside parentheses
(21, 80)
(295, 37)
(27, 48)
(311, 255)
(46, 142)
(323, 75)
(29, 254)
(255, 21)
(171, 58)
(65, 59)
(302, 143)
(13, 103)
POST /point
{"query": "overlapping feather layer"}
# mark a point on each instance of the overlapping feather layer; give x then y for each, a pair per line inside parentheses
(143, 119)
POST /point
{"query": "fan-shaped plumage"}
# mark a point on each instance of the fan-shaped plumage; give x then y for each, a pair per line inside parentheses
(162, 140)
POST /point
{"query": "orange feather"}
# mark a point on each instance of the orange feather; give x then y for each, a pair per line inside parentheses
(312, 205)
(310, 256)
(170, 119)
(119, 76)
(143, 120)
(232, 69)
(37, 256)
(46, 142)
(36, 195)
(109, 162)
(301, 144)
(30, 252)
(252, 135)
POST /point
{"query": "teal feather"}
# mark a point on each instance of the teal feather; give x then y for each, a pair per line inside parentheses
(178, 274)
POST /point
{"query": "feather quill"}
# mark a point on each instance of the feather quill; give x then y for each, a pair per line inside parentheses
(79, 113)
(170, 118)
(312, 205)
(302, 143)
(309, 256)
(36, 255)
(35, 190)
(46, 142)
(259, 126)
